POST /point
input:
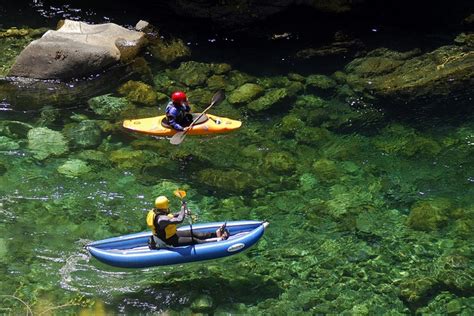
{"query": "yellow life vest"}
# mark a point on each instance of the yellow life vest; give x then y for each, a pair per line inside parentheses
(170, 230)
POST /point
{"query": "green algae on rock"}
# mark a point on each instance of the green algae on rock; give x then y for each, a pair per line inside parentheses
(430, 214)
(270, 99)
(85, 134)
(44, 142)
(109, 106)
(169, 51)
(245, 93)
(8, 144)
(233, 180)
(191, 73)
(74, 168)
(139, 92)
(396, 76)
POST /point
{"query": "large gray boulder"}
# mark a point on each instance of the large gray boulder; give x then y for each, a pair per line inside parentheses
(77, 49)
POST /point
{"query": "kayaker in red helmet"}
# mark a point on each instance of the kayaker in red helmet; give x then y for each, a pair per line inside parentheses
(177, 111)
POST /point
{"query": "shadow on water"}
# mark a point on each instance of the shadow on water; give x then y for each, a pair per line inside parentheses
(174, 292)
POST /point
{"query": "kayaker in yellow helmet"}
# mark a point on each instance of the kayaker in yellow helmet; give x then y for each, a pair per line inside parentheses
(163, 224)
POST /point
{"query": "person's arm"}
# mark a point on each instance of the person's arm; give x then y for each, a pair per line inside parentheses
(164, 220)
(173, 113)
(183, 210)
(187, 108)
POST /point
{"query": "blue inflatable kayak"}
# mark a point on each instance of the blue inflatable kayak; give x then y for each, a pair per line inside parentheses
(131, 251)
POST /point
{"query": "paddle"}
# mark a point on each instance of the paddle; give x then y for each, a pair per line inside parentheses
(179, 136)
(181, 194)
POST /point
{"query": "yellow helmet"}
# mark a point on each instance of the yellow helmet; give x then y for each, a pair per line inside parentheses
(162, 202)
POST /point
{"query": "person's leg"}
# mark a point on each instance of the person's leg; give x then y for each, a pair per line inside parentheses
(196, 235)
(188, 119)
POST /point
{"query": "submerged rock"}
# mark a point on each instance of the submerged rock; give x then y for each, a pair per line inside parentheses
(109, 106)
(429, 215)
(85, 134)
(169, 51)
(320, 83)
(77, 49)
(280, 162)
(232, 180)
(456, 271)
(417, 289)
(44, 142)
(139, 92)
(191, 73)
(245, 93)
(202, 304)
(14, 129)
(26, 93)
(8, 144)
(406, 77)
(269, 100)
(74, 168)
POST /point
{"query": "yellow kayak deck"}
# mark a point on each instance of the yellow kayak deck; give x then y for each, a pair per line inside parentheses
(211, 124)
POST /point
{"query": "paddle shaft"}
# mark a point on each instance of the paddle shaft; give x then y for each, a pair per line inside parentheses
(190, 219)
(197, 119)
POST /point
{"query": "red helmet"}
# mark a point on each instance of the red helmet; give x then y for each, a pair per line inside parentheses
(179, 97)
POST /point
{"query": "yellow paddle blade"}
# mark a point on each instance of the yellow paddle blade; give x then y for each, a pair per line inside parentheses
(180, 193)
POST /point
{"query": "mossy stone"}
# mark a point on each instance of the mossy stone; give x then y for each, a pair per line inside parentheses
(454, 307)
(202, 304)
(138, 92)
(109, 106)
(291, 123)
(74, 168)
(220, 69)
(296, 77)
(232, 180)
(216, 82)
(44, 142)
(280, 162)
(199, 98)
(236, 79)
(169, 51)
(8, 144)
(14, 129)
(429, 215)
(245, 93)
(326, 170)
(417, 289)
(85, 134)
(191, 73)
(269, 100)
(320, 82)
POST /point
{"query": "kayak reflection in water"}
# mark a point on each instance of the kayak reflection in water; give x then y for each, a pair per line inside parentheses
(178, 111)
(163, 224)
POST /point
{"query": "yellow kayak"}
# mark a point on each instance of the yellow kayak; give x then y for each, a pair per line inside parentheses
(157, 126)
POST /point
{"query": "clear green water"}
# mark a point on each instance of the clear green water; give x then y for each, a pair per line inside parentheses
(340, 240)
